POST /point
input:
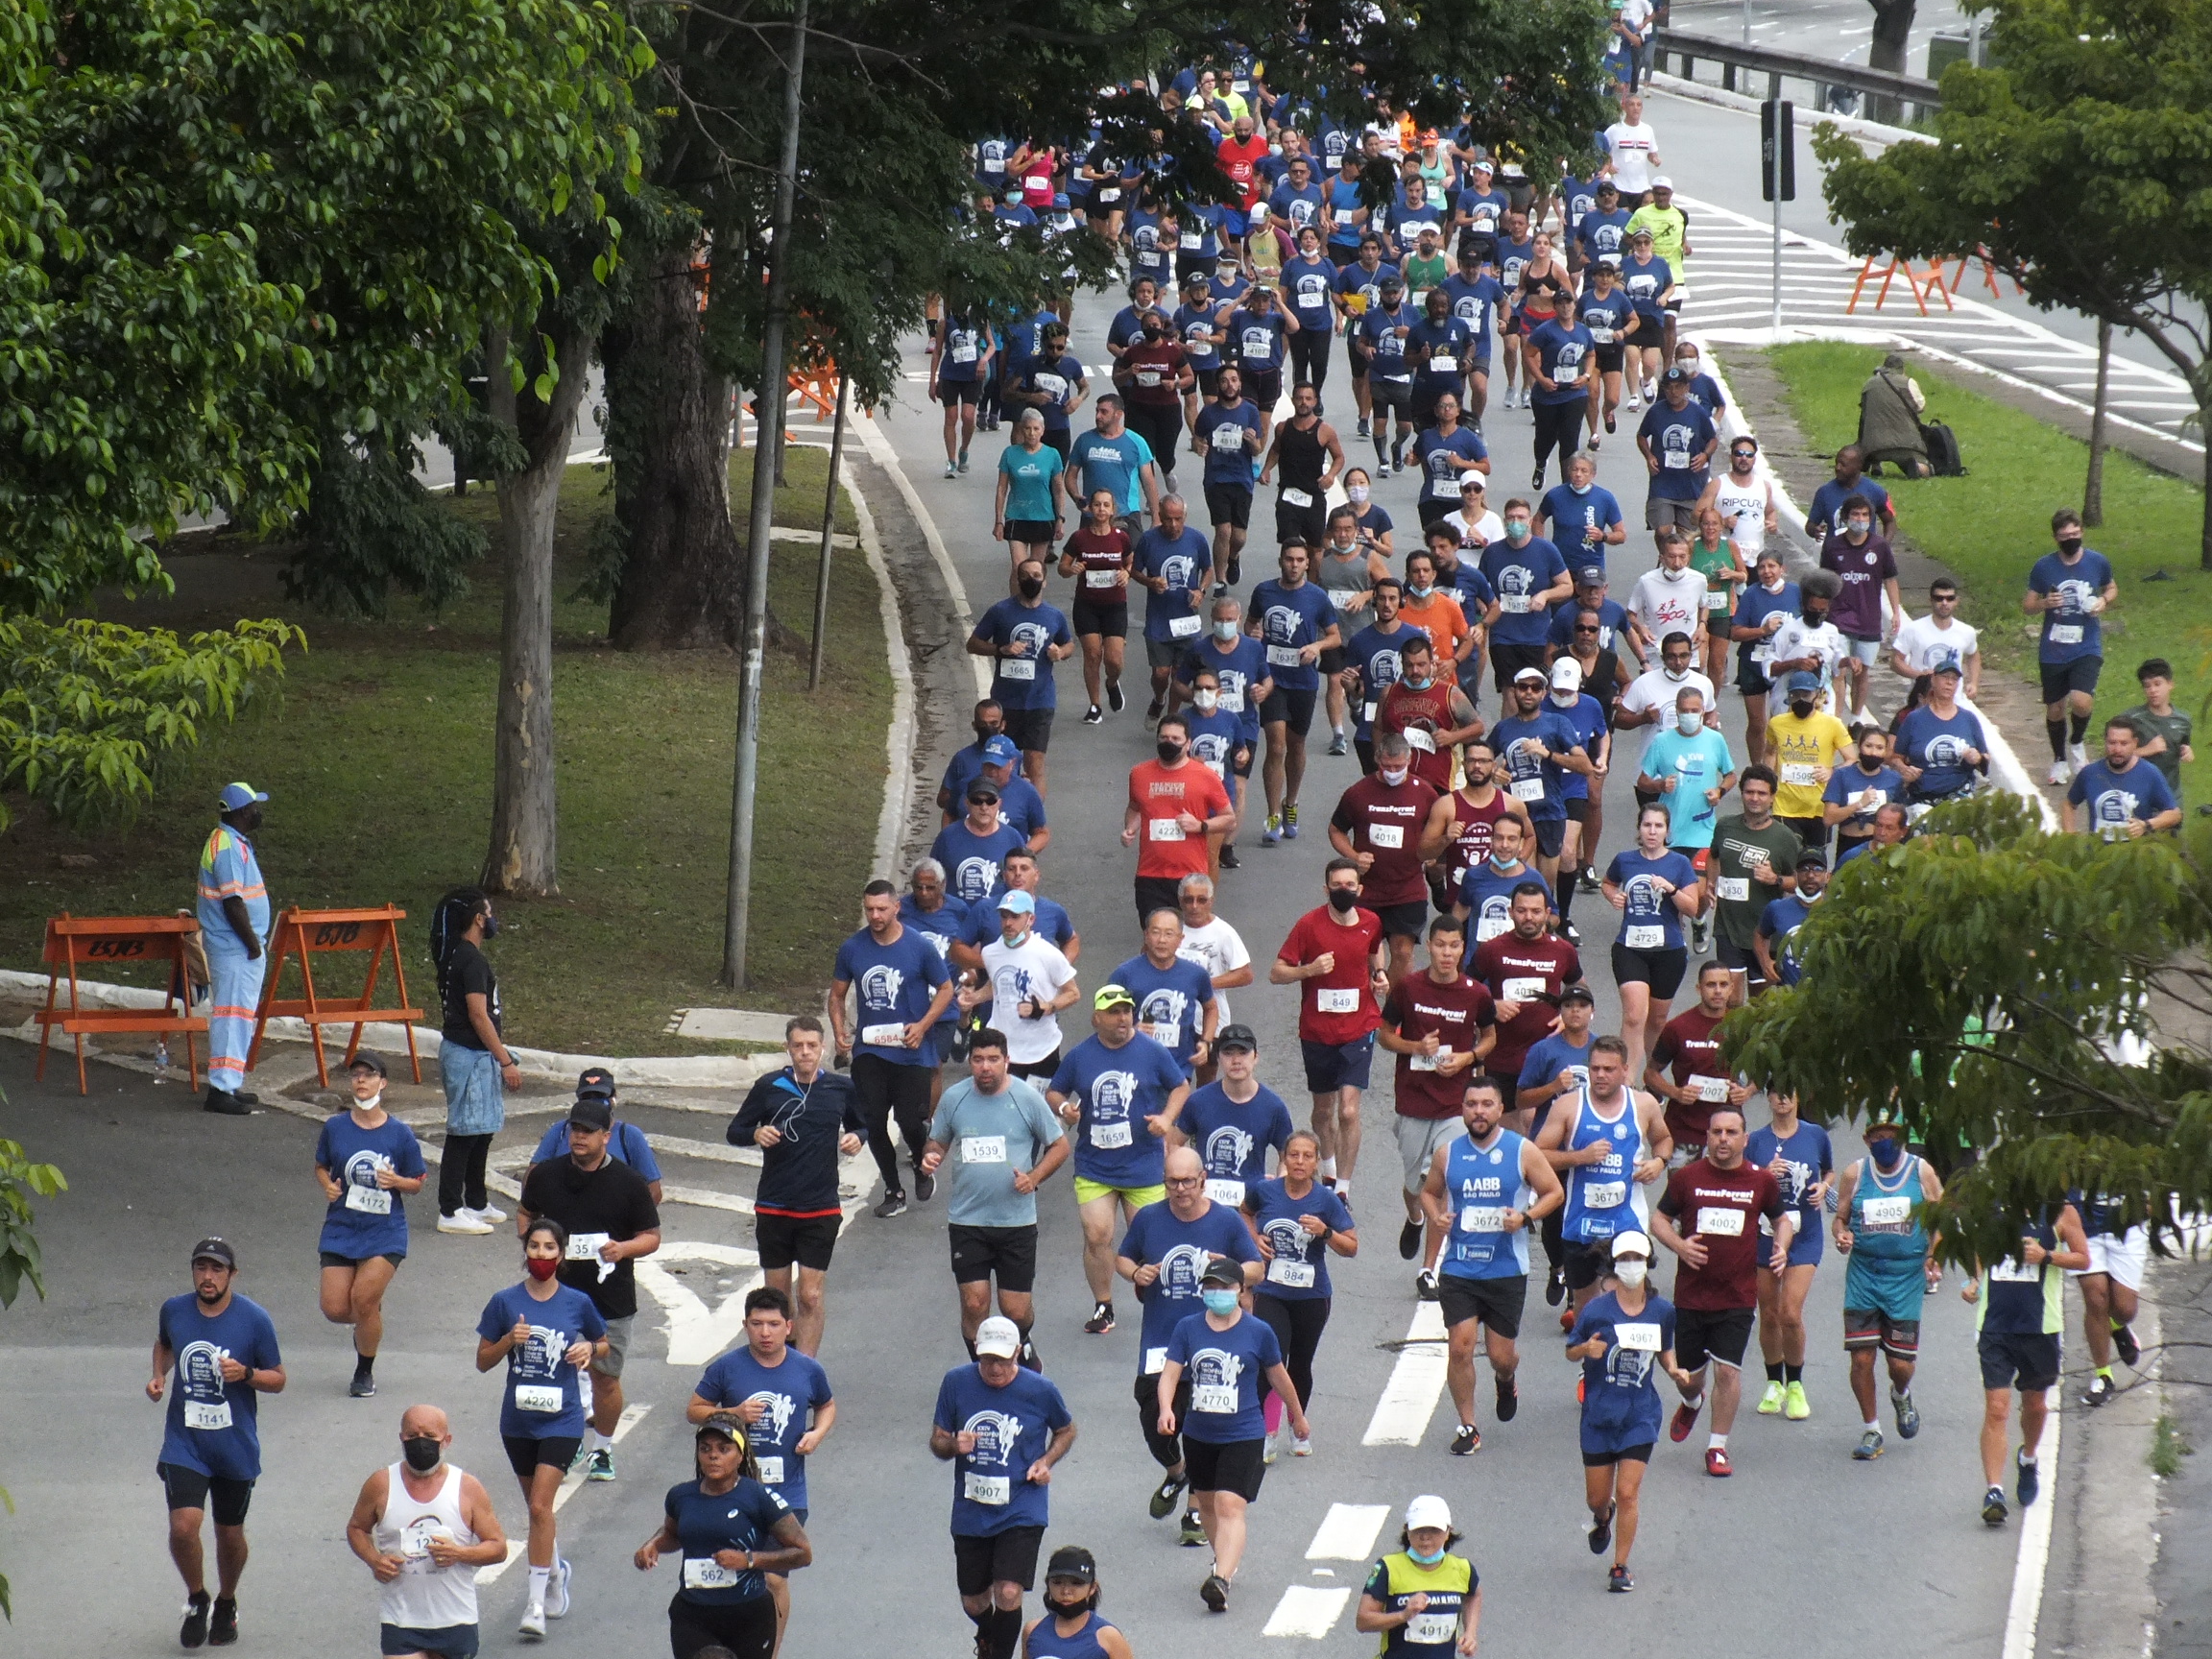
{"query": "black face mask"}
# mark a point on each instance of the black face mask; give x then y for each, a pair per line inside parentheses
(491, 926)
(1344, 901)
(1152, 332)
(1801, 707)
(1030, 588)
(2069, 545)
(422, 1452)
(1169, 750)
(1872, 763)
(1071, 1609)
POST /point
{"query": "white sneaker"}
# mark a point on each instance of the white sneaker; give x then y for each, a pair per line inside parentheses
(1270, 1450)
(557, 1591)
(1631, 403)
(532, 1626)
(1301, 1446)
(1650, 391)
(2058, 774)
(463, 1221)
(490, 1213)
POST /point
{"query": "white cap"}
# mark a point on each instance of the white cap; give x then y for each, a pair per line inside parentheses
(1427, 1510)
(1566, 675)
(997, 1339)
(1623, 1244)
(1662, 182)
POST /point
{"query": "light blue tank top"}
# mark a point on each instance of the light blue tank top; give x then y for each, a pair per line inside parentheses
(1481, 1187)
(1602, 1198)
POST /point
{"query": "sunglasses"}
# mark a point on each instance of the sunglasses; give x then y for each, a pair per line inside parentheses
(1586, 628)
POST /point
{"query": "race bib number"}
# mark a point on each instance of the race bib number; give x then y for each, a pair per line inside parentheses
(1717, 599)
(1259, 342)
(771, 1469)
(1147, 378)
(1802, 772)
(1386, 835)
(1716, 1222)
(704, 1572)
(1227, 437)
(1639, 1337)
(1872, 800)
(1291, 1274)
(982, 1148)
(2011, 1272)
(1155, 1362)
(1336, 1001)
(1736, 888)
(1679, 460)
(368, 1200)
(1604, 1195)
(586, 1246)
(1885, 1212)
(1166, 1035)
(1297, 498)
(1528, 788)
(1018, 669)
(540, 1398)
(1647, 936)
(888, 1036)
(1522, 990)
(1416, 738)
(987, 1488)
(1422, 1062)
(1489, 928)
(1163, 830)
(1711, 1090)
(2065, 633)
(1104, 196)
(1214, 1399)
(1344, 598)
(206, 1414)
(1367, 713)
(1224, 1190)
(1111, 1136)
(963, 352)
(1190, 239)
(1513, 604)
(1602, 336)
(1101, 578)
(1568, 374)
(1443, 363)
(1284, 657)
(1431, 1630)
(1481, 1218)
(1183, 627)
(415, 1538)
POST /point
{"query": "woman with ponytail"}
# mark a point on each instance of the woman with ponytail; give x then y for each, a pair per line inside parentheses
(474, 1064)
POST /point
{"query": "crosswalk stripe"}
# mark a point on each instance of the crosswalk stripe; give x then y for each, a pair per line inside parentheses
(1306, 1610)
(1416, 1383)
(1347, 1532)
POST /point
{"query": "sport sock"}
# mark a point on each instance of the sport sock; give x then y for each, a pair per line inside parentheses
(2105, 1372)
(1717, 1443)
(1874, 1425)
(363, 1365)
(541, 1580)
(1774, 1373)
(2076, 728)
(2056, 731)
(1329, 1170)
(1792, 1373)
(594, 1442)
(1564, 902)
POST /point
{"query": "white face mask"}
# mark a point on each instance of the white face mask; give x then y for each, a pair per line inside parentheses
(1630, 1272)
(1689, 721)
(1357, 493)
(1676, 674)
(1209, 701)
(1394, 779)
(1225, 629)
(370, 1105)
(1566, 699)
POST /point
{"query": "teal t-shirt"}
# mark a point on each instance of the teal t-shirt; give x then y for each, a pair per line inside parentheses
(1698, 763)
(1030, 486)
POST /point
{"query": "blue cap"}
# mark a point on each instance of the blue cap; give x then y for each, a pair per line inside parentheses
(237, 795)
(1017, 902)
(999, 750)
(1803, 680)
(1060, 199)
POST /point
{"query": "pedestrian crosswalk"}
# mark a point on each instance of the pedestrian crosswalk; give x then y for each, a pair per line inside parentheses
(1730, 281)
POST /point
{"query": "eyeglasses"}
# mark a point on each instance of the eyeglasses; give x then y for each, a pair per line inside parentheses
(1186, 1181)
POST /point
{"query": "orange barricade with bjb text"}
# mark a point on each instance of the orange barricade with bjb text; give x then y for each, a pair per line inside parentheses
(103, 942)
(306, 934)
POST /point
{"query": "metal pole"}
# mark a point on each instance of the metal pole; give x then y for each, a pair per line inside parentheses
(1782, 136)
(768, 430)
(1746, 22)
(829, 525)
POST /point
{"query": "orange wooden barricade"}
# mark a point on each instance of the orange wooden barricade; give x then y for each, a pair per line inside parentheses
(103, 941)
(1899, 266)
(309, 934)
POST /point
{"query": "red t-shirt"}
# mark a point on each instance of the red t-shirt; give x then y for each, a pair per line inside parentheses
(1457, 1012)
(1104, 579)
(1159, 793)
(1338, 1006)
(1508, 964)
(1722, 1207)
(1388, 823)
(1241, 162)
(1691, 1046)
(1152, 370)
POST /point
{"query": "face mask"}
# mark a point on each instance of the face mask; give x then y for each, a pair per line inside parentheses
(1801, 707)
(1152, 332)
(1500, 861)
(1885, 1151)
(1630, 1272)
(2069, 545)
(1857, 527)
(1394, 779)
(1207, 701)
(542, 1267)
(1225, 631)
(1689, 721)
(1357, 493)
(1872, 763)
(491, 926)
(1420, 590)
(1421, 685)
(1344, 901)
(1516, 530)
(1566, 699)
(1069, 1609)
(1773, 587)
(422, 1452)
(1219, 1301)
(368, 1105)
(1677, 675)
(1580, 489)
(1031, 588)
(1429, 1560)
(1169, 751)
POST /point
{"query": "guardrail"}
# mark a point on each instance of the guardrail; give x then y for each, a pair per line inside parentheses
(1738, 61)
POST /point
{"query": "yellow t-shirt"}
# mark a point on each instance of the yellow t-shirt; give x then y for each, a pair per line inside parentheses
(1799, 746)
(1668, 227)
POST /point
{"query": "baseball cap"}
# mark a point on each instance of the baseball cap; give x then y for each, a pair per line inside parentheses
(1427, 1510)
(1000, 750)
(1662, 182)
(1677, 375)
(216, 1250)
(1220, 1270)
(1529, 674)
(1803, 680)
(1566, 675)
(1391, 281)
(727, 1424)
(237, 795)
(1812, 858)
(1480, 167)
(1590, 576)
(1017, 902)
(982, 789)
(592, 1112)
(595, 1080)
(1059, 197)
(1631, 1245)
(1576, 994)
(1605, 184)
(1473, 481)
(371, 1060)
(1885, 1118)
(1074, 1563)
(1112, 996)
(1236, 1036)
(1944, 665)
(997, 1339)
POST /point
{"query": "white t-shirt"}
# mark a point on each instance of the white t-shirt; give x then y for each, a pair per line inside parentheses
(1217, 949)
(1487, 529)
(1632, 149)
(1656, 688)
(1668, 602)
(1032, 969)
(1747, 504)
(1924, 645)
(1793, 640)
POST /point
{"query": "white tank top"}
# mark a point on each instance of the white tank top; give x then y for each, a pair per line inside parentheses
(1750, 503)
(425, 1596)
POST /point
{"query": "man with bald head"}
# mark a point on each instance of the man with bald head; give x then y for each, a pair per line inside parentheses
(424, 1527)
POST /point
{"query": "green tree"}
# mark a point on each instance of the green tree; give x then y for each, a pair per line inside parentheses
(1989, 980)
(20, 1260)
(2081, 163)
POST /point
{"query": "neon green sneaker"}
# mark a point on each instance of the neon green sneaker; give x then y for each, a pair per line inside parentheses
(1795, 1406)
(1770, 1402)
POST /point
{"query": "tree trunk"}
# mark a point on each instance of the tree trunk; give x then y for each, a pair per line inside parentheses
(1892, 38)
(2093, 487)
(683, 584)
(523, 856)
(2205, 529)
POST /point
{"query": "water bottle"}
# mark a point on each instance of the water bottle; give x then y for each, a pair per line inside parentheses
(160, 1059)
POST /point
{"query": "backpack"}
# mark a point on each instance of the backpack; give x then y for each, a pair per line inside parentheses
(1942, 450)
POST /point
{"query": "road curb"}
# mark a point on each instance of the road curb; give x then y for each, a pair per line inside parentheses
(1869, 131)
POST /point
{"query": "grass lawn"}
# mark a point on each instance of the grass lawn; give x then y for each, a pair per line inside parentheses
(376, 754)
(1991, 526)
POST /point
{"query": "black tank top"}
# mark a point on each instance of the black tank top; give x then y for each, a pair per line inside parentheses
(1301, 456)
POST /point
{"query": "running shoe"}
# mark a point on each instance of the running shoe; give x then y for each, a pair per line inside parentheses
(491, 1213)
(1592, 882)
(1101, 1319)
(1508, 1398)
(2123, 1345)
(1029, 1360)
(557, 1589)
(463, 1221)
(1609, 427)
(1115, 700)
(1567, 1320)
(602, 1465)
(1164, 1496)
(1236, 569)
(1581, 1387)
(1631, 406)
(223, 1622)
(1591, 442)
(2076, 755)
(1467, 1442)
(1194, 1533)
(194, 1631)
(2029, 1479)
(951, 469)
(1797, 1407)
(1271, 832)
(1301, 1446)
(1289, 820)
(363, 1386)
(924, 1185)
(1717, 1462)
(1230, 860)
(1770, 1402)
(1870, 1446)
(963, 462)
(1408, 1240)
(532, 1626)
(2058, 773)
(1215, 1593)
(1339, 744)
(1570, 932)
(1993, 1510)
(1684, 1420)
(1555, 1288)
(1363, 431)
(894, 1204)
(1619, 1582)
(1152, 713)
(1094, 715)
(1382, 469)
(1701, 935)
(1536, 479)
(1270, 1451)
(1602, 1531)
(1425, 1285)
(1908, 1415)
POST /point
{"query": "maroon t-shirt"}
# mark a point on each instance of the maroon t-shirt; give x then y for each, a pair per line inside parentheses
(1507, 958)
(1388, 823)
(1721, 1208)
(1472, 826)
(1151, 372)
(1457, 1012)
(1692, 1045)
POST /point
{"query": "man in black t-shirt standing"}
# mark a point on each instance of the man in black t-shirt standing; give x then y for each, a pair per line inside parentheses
(612, 1220)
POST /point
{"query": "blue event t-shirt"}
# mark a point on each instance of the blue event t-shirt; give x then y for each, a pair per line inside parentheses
(543, 1398)
(1549, 1056)
(2115, 798)
(1779, 922)
(1606, 315)
(1299, 1270)
(1476, 303)
(1566, 355)
(1116, 465)
(627, 1144)
(1578, 522)
(1515, 740)
(1430, 451)
(943, 927)
(1232, 1138)
(1454, 342)
(1182, 562)
(231, 1451)
(1752, 611)
(1308, 282)
(1244, 667)
(1806, 1156)
(1228, 1375)
(1171, 1002)
(1611, 619)
(992, 1492)
(1939, 748)
(1649, 912)
(893, 985)
(1827, 509)
(1518, 575)
(1375, 652)
(1180, 1249)
(1679, 438)
(1195, 325)
(1489, 897)
(2070, 631)
(1029, 488)
(1619, 1388)
(1600, 233)
(742, 1518)
(1699, 764)
(1591, 723)
(1288, 619)
(1846, 783)
(1058, 379)
(975, 865)
(1257, 340)
(1117, 1089)
(1053, 924)
(1645, 280)
(1221, 429)
(1025, 681)
(1385, 346)
(787, 1393)
(366, 1219)
(1020, 806)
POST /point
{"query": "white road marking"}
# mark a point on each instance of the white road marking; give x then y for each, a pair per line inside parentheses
(1347, 1533)
(1416, 1383)
(631, 1415)
(696, 1331)
(2026, 1607)
(1308, 1611)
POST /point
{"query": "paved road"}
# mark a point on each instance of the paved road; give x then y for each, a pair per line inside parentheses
(1839, 29)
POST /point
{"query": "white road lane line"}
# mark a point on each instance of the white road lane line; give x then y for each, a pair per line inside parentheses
(2027, 1606)
(1416, 1383)
(1310, 1612)
(631, 1415)
(1347, 1532)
